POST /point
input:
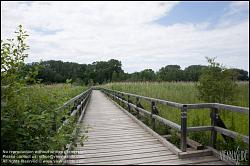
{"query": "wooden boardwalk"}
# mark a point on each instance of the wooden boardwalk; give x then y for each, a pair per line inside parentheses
(114, 138)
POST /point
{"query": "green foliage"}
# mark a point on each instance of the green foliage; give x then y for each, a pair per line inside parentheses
(193, 72)
(26, 119)
(217, 84)
(170, 73)
(101, 72)
(12, 59)
(68, 81)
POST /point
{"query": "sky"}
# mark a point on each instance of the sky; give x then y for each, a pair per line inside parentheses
(142, 35)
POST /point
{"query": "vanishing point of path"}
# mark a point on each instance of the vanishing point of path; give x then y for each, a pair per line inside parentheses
(114, 138)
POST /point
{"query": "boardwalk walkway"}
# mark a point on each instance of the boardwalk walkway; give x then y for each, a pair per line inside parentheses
(114, 138)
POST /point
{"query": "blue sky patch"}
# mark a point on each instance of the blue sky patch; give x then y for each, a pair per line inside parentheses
(44, 31)
(195, 12)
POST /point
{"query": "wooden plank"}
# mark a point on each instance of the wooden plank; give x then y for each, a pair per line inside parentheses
(199, 128)
(193, 144)
(113, 128)
(167, 136)
(93, 138)
(198, 153)
(118, 145)
(107, 141)
(210, 163)
(200, 105)
(114, 134)
(217, 154)
(125, 158)
(183, 138)
(118, 153)
(104, 134)
(113, 131)
(232, 134)
(106, 123)
(138, 161)
(118, 149)
(232, 108)
(114, 119)
(111, 137)
(168, 122)
(127, 162)
(196, 160)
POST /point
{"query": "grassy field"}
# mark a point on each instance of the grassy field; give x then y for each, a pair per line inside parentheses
(186, 93)
(52, 96)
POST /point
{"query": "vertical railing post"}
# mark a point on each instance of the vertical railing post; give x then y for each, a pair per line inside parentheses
(214, 117)
(137, 104)
(122, 97)
(113, 95)
(128, 104)
(153, 112)
(184, 128)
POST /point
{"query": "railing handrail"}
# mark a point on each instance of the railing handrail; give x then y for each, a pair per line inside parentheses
(189, 106)
(71, 100)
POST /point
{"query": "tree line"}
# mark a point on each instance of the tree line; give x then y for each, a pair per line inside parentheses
(100, 72)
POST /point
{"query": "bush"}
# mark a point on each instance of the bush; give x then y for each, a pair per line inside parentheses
(216, 83)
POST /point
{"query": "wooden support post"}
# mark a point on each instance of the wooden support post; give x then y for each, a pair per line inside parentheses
(128, 104)
(214, 117)
(153, 111)
(122, 97)
(184, 128)
(114, 95)
(137, 104)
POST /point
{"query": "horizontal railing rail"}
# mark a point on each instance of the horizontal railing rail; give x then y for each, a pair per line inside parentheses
(182, 128)
(72, 108)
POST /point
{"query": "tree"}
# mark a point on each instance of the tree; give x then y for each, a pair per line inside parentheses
(193, 72)
(216, 84)
(115, 76)
(242, 75)
(170, 73)
(12, 61)
(147, 75)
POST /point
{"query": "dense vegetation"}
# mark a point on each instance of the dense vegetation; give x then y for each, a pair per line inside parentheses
(111, 71)
(27, 117)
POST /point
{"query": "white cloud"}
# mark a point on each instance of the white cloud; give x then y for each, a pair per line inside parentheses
(84, 32)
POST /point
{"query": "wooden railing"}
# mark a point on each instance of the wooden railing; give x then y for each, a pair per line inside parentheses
(72, 108)
(125, 98)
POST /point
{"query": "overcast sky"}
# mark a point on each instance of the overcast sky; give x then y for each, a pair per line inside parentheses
(140, 34)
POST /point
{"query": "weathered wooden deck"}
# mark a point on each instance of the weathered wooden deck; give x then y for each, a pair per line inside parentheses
(114, 138)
